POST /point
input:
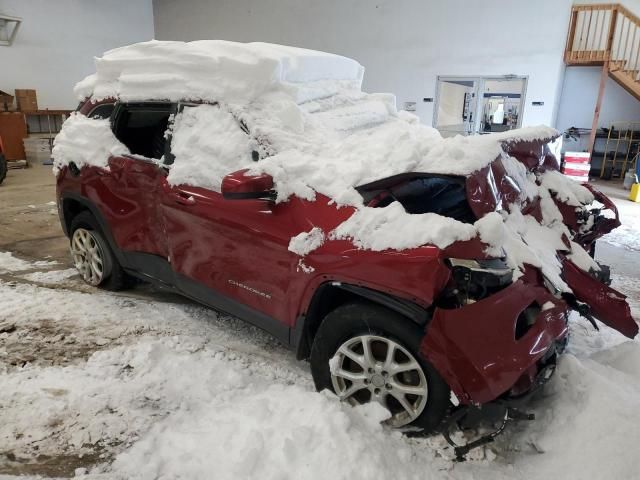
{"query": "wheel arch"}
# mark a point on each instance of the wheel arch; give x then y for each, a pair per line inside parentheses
(71, 207)
(74, 204)
(330, 295)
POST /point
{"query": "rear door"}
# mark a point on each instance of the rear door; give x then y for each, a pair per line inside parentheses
(135, 180)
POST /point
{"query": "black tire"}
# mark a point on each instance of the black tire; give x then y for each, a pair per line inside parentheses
(115, 277)
(3, 168)
(360, 318)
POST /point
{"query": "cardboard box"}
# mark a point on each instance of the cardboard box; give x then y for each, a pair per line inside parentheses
(26, 99)
(6, 102)
(13, 129)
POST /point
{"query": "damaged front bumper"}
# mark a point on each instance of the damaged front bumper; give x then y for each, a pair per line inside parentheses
(497, 346)
(603, 302)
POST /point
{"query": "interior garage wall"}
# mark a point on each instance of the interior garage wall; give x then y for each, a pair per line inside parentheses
(579, 95)
(57, 41)
(403, 44)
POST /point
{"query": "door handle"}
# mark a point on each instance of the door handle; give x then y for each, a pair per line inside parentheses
(183, 198)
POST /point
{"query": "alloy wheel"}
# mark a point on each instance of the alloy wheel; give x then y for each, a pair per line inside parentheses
(87, 255)
(372, 368)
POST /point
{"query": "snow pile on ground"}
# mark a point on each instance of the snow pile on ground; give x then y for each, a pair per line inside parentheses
(586, 424)
(117, 387)
(85, 141)
(628, 234)
(253, 429)
(9, 263)
(51, 277)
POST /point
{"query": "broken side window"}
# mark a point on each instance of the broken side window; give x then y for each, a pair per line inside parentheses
(443, 195)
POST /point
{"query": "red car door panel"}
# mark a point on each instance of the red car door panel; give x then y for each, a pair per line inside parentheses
(237, 248)
(134, 214)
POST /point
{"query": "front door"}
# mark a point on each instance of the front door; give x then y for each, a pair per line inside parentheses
(232, 254)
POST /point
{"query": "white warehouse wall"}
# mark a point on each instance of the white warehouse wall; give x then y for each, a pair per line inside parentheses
(579, 95)
(403, 44)
(57, 41)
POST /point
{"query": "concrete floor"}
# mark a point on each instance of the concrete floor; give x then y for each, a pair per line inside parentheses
(621, 260)
(29, 224)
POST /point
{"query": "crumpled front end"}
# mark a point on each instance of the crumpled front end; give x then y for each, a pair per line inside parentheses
(585, 217)
(497, 346)
(588, 223)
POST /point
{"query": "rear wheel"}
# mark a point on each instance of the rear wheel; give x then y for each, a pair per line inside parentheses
(92, 256)
(367, 353)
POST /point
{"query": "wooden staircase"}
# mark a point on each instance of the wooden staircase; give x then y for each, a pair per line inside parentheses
(607, 35)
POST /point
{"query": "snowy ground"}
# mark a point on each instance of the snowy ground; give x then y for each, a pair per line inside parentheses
(146, 385)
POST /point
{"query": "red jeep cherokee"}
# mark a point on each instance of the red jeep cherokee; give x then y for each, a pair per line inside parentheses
(430, 333)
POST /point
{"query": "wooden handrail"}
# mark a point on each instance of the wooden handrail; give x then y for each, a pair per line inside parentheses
(605, 34)
(630, 16)
(591, 40)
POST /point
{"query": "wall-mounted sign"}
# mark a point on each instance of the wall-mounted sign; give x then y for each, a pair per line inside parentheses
(537, 104)
(428, 99)
(410, 106)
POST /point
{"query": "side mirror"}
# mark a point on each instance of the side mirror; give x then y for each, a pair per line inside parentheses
(239, 186)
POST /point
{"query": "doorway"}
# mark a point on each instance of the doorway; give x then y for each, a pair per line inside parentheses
(479, 105)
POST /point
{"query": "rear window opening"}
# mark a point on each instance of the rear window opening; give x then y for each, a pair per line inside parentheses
(421, 193)
(141, 128)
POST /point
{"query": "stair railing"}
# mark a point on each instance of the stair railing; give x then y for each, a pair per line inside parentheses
(604, 32)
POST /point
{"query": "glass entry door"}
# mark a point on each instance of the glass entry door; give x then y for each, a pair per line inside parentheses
(457, 104)
(502, 104)
(477, 105)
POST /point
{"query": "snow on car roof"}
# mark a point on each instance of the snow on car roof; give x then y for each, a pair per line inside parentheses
(210, 70)
(315, 128)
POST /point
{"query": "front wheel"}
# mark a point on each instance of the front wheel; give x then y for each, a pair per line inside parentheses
(367, 353)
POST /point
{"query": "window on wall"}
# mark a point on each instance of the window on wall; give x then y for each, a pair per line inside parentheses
(141, 128)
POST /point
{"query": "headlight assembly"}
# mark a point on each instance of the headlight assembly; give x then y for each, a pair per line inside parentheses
(477, 279)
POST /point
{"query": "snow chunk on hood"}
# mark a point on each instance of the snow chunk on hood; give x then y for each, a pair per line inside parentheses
(306, 242)
(213, 70)
(567, 190)
(85, 141)
(392, 227)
